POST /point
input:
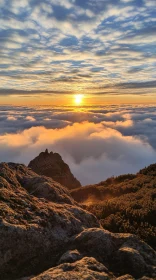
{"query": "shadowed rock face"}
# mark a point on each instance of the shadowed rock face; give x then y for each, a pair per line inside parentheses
(52, 165)
(44, 232)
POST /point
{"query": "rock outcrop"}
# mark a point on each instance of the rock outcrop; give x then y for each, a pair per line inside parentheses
(52, 165)
(38, 217)
(44, 232)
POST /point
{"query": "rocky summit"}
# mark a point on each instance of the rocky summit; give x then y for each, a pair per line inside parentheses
(52, 165)
(45, 234)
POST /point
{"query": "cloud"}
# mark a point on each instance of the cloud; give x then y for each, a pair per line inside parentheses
(115, 139)
(149, 84)
(143, 85)
(30, 118)
(11, 118)
(29, 92)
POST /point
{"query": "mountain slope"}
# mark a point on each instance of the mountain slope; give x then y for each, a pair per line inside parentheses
(52, 165)
(42, 227)
(126, 203)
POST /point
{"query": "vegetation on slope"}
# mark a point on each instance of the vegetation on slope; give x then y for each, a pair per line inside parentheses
(124, 204)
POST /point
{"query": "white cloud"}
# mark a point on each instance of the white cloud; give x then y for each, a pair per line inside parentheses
(11, 118)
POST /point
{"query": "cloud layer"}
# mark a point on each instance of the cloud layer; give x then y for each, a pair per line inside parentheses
(96, 142)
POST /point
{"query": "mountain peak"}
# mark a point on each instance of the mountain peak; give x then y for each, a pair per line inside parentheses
(52, 165)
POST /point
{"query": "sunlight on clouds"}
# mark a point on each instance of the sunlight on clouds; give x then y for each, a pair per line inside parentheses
(115, 139)
(93, 151)
(30, 118)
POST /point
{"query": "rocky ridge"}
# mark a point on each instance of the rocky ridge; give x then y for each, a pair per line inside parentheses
(44, 232)
(52, 165)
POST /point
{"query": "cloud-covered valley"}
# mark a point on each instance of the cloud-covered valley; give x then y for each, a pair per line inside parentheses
(97, 142)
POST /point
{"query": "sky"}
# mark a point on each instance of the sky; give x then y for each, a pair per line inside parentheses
(51, 50)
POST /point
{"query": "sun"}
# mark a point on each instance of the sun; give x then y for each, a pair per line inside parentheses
(78, 99)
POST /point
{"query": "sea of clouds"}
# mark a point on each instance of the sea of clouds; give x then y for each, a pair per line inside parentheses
(97, 141)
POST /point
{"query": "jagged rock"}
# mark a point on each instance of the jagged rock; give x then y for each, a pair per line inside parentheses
(38, 217)
(84, 269)
(52, 165)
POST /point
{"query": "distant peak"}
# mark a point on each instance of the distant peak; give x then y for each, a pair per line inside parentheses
(52, 165)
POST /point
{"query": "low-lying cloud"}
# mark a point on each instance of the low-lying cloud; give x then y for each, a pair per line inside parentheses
(93, 150)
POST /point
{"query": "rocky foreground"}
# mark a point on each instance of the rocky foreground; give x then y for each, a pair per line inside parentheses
(45, 234)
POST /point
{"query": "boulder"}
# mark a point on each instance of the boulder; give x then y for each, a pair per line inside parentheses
(120, 253)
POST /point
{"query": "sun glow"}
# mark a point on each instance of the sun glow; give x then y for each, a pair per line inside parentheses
(78, 99)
